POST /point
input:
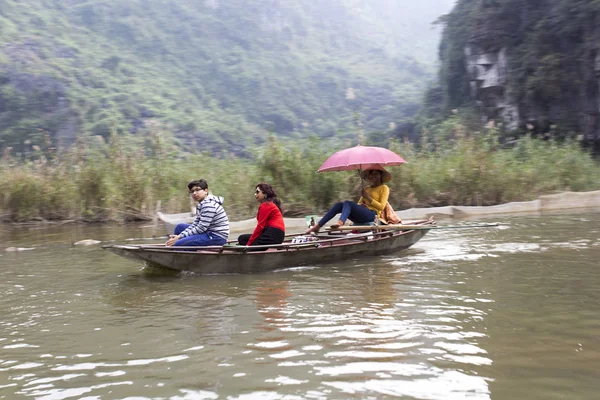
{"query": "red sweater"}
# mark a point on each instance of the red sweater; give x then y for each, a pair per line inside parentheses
(268, 215)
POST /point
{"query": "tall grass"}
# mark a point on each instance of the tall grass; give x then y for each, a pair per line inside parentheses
(120, 180)
(474, 170)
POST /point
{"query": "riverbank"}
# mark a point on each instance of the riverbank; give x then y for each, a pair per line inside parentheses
(118, 184)
(556, 203)
(552, 202)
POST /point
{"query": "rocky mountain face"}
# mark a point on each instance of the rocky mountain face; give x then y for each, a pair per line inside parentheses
(533, 65)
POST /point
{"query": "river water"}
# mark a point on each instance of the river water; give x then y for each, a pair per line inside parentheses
(490, 313)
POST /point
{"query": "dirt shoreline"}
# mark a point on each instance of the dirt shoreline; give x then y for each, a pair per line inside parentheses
(550, 202)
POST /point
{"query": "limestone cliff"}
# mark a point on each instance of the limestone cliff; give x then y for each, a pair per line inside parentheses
(532, 64)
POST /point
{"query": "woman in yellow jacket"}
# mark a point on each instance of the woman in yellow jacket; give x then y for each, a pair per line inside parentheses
(371, 204)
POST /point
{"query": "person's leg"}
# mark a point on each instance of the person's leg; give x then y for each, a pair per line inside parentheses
(180, 228)
(203, 239)
(346, 210)
(270, 235)
(217, 240)
(243, 239)
(333, 211)
(360, 215)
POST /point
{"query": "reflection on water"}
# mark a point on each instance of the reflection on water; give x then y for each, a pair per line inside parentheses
(491, 313)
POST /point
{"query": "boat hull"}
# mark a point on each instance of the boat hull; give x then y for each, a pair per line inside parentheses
(242, 261)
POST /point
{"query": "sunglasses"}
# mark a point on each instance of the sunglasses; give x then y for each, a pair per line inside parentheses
(257, 191)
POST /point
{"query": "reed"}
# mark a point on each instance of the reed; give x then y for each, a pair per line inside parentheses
(121, 180)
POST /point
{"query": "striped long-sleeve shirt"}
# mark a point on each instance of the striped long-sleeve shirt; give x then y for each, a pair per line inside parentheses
(210, 217)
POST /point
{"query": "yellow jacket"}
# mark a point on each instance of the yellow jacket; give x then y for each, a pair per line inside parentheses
(379, 196)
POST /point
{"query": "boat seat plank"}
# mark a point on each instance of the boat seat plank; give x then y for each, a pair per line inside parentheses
(381, 227)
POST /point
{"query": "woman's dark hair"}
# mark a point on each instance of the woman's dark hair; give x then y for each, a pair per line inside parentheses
(200, 182)
(270, 194)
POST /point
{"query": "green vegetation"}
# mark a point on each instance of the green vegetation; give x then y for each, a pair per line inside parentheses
(97, 181)
(109, 108)
(219, 74)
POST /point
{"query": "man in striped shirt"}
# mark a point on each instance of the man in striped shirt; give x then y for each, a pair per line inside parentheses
(211, 225)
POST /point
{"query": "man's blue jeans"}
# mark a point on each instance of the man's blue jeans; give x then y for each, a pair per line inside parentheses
(203, 239)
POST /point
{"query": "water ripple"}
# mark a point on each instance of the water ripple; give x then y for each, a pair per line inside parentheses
(438, 321)
(443, 386)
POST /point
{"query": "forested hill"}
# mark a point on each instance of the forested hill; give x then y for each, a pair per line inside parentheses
(215, 73)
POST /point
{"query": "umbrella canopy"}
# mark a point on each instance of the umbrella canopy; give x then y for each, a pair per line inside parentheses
(361, 157)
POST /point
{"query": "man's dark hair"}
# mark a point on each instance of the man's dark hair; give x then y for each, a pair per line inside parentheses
(200, 183)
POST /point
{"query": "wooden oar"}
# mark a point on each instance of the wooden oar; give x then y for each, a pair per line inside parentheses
(401, 227)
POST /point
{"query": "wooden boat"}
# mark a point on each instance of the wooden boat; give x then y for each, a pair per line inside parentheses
(295, 251)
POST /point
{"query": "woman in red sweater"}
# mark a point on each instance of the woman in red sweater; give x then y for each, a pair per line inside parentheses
(270, 228)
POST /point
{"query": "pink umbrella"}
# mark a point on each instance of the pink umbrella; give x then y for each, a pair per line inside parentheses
(361, 157)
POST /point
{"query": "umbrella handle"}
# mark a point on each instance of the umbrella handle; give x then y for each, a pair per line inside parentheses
(362, 186)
